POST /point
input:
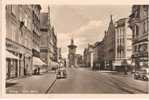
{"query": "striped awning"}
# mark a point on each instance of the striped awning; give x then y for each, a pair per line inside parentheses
(10, 55)
(38, 61)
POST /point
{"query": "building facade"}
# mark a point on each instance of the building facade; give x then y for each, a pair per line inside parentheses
(59, 54)
(72, 54)
(53, 44)
(44, 43)
(19, 40)
(85, 57)
(52, 51)
(98, 55)
(79, 60)
(123, 42)
(139, 24)
(109, 45)
(36, 30)
(88, 56)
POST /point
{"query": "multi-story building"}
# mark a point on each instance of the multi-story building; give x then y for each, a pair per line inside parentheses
(48, 44)
(36, 30)
(109, 45)
(85, 56)
(139, 24)
(98, 57)
(19, 40)
(88, 56)
(123, 43)
(54, 45)
(53, 40)
(79, 60)
(44, 43)
(59, 54)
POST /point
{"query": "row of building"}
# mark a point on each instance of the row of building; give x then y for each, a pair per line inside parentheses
(30, 40)
(125, 40)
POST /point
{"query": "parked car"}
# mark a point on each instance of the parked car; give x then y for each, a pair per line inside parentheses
(142, 74)
(61, 73)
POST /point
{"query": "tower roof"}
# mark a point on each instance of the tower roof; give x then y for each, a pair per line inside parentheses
(72, 45)
(111, 19)
(72, 42)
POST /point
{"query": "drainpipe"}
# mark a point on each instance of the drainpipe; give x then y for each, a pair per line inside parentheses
(148, 30)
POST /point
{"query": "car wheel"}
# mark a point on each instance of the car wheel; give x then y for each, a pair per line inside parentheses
(145, 78)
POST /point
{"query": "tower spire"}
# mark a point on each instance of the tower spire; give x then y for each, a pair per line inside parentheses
(111, 17)
(72, 41)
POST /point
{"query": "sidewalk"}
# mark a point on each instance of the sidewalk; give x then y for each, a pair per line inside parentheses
(32, 85)
(117, 73)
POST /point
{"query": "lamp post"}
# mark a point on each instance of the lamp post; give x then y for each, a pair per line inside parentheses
(22, 41)
(133, 63)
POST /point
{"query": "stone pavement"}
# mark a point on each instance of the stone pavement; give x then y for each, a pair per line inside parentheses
(33, 84)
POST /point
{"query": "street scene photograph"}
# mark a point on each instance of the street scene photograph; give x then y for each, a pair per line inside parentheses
(77, 49)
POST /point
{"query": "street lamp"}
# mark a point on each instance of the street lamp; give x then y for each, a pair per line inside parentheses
(133, 63)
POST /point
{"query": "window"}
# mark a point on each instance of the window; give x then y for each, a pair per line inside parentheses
(13, 30)
(16, 35)
(25, 20)
(136, 30)
(137, 14)
(145, 26)
(135, 49)
(129, 38)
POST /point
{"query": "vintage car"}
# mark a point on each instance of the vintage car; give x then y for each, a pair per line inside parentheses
(61, 73)
(142, 74)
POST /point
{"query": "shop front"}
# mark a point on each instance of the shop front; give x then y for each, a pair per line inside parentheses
(20, 59)
(12, 65)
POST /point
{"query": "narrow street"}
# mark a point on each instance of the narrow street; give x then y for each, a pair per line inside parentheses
(81, 80)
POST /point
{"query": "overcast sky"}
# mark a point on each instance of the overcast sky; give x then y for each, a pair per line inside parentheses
(86, 23)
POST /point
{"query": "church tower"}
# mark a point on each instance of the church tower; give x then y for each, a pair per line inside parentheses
(72, 54)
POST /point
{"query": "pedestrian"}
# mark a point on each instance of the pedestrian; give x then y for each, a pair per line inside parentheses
(25, 71)
(125, 65)
(38, 70)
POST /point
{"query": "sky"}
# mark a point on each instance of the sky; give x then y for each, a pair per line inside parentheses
(85, 23)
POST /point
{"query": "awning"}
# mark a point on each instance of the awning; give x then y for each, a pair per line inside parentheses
(10, 55)
(38, 61)
(53, 64)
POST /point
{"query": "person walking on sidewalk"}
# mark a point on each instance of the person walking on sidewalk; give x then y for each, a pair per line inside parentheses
(125, 66)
